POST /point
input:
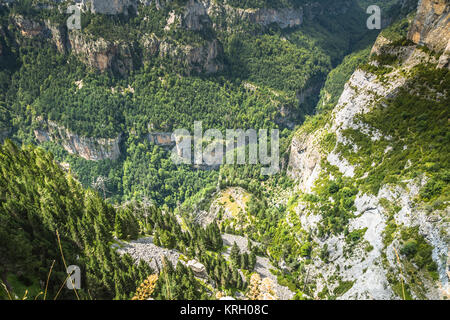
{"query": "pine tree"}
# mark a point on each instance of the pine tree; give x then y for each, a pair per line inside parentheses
(244, 261)
(235, 254)
(252, 261)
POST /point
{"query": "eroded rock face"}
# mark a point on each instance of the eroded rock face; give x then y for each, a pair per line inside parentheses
(111, 6)
(202, 58)
(304, 160)
(27, 27)
(58, 35)
(195, 16)
(432, 24)
(87, 148)
(370, 266)
(116, 56)
(198, 268)
(163, 139)
(101, 54)
(285, 17)
(444, 60)
(30, 28)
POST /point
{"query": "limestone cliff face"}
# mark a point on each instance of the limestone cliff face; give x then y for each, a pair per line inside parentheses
(161, 138)
(200, 58)
(101, 54)
(111, 6)
(304, 160)
(116, 56)
(432, 24)
(87, 148)
(431, 27)
(42, 30)
(284, 17)
(27, 27)
(200, 13)
(370, 272)
(197, 15)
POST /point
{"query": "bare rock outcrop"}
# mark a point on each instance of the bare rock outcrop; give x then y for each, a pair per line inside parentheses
(101, 54)
(145, 249)
(111, 6)
(228, 15)
(41, 30)
(368, 267)
(284, 17)
(198, 58)
(432, 24)
(195, 16)
(87, 148)
(304, 160)
(444, 60)
(163, 139)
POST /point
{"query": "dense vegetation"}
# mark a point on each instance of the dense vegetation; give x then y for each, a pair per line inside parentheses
(48, 222)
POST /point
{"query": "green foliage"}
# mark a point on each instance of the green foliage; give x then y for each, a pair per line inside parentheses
(356, 235)
(343, 287)
(415, 122)
(409, 249)
(305, 249)
(416, 249)
(178, 283)
(40, 201)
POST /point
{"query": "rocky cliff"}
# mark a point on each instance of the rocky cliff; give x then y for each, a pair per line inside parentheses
(431, 28)
(87, 148)
(163, 139)
(432, 24)
(200, 58)
(374, 267)
(101, 54)
(304, 160)
(284, 17)
(111, 6)
(225, 16)
(41, 30)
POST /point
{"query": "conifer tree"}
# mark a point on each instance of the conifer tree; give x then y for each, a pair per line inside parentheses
(235, 254)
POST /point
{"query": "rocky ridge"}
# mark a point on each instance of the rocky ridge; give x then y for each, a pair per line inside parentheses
(367, 272)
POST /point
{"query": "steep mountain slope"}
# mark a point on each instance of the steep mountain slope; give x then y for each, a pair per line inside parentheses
(48, 222)
(373, 172)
